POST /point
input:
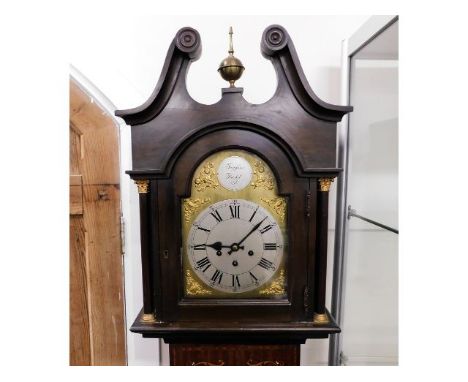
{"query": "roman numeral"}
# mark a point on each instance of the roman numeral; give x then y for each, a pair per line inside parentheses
(253, 215)
(199, 247)
(266, 264)
(216, 215)
(235, 210)
(205, 262)
(203, 229)
(235, 281)
(217, 277)
(254, 279)
(269, 246)
(266, 228)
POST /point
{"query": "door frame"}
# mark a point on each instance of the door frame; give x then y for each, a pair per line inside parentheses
(107, 108)
(156, 351)
(371, 29)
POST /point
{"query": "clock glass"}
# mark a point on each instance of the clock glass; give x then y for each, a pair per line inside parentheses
(234, 230)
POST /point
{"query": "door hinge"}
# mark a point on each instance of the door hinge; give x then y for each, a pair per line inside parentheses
(308, 203)
(122, 235)
(306, 299)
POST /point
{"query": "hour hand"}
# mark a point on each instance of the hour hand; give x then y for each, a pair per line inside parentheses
(217, 246)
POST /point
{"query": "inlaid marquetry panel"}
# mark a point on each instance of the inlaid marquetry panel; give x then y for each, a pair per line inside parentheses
(234, 355)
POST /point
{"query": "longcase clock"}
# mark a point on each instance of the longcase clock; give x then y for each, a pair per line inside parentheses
(234, 211)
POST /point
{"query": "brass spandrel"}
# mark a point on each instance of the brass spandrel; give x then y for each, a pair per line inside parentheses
(279, 206)
(193, 287)
(206, 177)
(275, 287)
(263, 179)
(193, 205)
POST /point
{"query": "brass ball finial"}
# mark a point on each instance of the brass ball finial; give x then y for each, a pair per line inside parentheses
(231, 67)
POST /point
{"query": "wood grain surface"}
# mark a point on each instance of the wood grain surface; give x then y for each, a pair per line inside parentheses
(80, 346)
(76, 195)
(97, 322)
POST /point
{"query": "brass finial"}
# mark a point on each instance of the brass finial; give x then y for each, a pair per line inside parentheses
(231, 48)
(231, 68)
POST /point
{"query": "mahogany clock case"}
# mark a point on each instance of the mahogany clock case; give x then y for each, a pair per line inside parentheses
(294, 133)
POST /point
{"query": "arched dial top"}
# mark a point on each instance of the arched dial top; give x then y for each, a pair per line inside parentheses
(234, 229)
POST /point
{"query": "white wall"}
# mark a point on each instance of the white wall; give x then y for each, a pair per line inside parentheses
(123, 58)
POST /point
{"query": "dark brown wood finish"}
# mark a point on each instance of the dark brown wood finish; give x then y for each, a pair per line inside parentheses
(311, 212)
(234, 355)
(295, 134)
(169, 251)
(228, 331)
(145, 245)
(154, 253)
(295, 115)
(321, 258)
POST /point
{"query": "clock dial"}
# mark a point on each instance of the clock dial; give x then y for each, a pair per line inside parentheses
(235, 246)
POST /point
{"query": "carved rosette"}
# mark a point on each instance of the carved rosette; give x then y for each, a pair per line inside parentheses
(192, 205)
(188, 40)
(142, 186)
(276, 288)
(262, 179)
(325, 184)
(206, 178)
(274, 38)
(193, 287)
(279, 205)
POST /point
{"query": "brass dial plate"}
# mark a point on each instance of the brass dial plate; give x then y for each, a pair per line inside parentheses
(206, 191)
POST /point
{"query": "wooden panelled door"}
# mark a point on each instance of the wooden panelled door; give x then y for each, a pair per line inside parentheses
(97, 321)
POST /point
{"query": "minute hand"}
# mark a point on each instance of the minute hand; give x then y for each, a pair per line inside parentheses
(251, 231)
